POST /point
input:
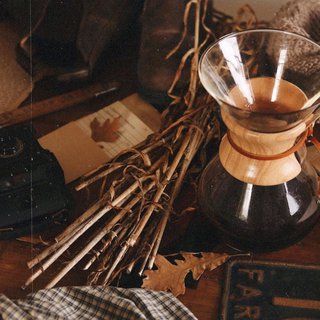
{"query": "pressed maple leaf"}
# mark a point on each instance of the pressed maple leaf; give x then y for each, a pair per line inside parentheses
(171, 277)
(105, 132)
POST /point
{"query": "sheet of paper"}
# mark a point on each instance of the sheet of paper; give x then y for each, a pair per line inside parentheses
(76, 152)
(78, 148)
(130, 129)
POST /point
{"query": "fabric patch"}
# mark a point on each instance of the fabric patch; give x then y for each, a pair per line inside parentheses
(271, 291)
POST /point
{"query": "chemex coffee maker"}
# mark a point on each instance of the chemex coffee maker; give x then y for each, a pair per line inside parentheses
(260, 193)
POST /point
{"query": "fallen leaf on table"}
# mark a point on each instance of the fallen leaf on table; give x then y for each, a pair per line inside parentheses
(32, 240)
(171, 277)
(105, 132)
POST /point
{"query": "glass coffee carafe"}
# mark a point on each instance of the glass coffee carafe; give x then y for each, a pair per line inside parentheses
(260, 193)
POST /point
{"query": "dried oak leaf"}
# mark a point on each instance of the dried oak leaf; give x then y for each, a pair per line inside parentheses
(171, 277)
(105, 132)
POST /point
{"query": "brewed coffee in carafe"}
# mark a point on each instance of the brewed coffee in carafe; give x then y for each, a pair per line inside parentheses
(260, 193)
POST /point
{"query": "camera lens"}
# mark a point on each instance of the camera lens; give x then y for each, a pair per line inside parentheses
(10, 146)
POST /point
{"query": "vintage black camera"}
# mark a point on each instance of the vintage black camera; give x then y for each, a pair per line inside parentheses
(32, 187)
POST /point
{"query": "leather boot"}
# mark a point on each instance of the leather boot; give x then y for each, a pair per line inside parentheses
(162, 28)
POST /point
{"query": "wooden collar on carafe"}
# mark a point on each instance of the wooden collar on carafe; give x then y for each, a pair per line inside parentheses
(299, 143)
(261, 158)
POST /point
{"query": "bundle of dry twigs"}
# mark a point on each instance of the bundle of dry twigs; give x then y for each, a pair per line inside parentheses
(123, 229)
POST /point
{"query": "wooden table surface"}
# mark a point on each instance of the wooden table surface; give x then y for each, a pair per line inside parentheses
(204, 299)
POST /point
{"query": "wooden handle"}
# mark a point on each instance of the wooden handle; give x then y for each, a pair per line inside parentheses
(69, 99)
(260, 172)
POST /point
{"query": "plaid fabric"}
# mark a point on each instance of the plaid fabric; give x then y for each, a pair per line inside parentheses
(77, 303)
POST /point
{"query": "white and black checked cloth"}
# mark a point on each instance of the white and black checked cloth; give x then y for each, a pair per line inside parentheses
(77, 303)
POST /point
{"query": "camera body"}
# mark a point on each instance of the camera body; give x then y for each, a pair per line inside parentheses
(33, 193)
